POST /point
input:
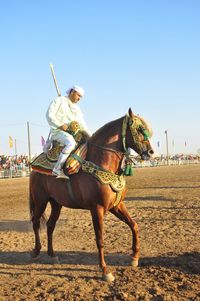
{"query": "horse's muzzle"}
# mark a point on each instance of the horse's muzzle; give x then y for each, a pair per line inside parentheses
(146, 155)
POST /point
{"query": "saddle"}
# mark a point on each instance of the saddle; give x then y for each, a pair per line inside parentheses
(45, 162)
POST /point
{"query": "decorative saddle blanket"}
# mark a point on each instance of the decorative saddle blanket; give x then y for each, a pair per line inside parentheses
(45, 162)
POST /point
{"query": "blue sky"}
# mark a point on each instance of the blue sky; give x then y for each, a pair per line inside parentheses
(139, 54)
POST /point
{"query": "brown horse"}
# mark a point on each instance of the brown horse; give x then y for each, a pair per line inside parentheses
(107, 150)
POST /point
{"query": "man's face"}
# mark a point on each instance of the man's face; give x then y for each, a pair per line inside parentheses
(74, 96)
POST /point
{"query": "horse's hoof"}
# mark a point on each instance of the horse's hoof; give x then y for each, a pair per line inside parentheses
(54, 260)
(108, 277)
(34, 256)
(134, 263)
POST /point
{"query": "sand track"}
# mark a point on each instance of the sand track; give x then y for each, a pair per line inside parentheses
(165, 201)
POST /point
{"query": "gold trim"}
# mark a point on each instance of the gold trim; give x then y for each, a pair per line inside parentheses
(115, 181)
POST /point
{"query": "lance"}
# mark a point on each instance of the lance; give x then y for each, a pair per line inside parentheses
(57, 89)
(54, 79)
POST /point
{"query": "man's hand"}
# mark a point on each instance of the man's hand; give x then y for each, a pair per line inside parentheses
(63, 127)
(86, 135)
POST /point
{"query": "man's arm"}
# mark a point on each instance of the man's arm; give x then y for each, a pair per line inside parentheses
(82, 123)
(52, 113)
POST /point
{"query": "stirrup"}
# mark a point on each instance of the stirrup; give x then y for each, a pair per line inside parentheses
(59, 174)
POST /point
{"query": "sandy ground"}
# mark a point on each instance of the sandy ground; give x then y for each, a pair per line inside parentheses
(165, 201)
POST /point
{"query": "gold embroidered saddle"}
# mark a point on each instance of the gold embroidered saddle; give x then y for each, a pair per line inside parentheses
(45, 162)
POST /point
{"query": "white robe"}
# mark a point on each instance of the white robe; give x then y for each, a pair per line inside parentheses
(63, 111)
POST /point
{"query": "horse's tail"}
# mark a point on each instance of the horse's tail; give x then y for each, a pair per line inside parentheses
(32, 206)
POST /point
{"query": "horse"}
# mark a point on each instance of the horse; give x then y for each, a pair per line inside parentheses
(107, 151)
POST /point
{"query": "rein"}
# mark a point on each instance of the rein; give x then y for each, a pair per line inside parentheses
(124, 129)
(124, 156)
(108, 149)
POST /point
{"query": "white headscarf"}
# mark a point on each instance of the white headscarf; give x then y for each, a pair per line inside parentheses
(77, 89)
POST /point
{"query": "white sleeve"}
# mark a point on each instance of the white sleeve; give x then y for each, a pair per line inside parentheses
(82, 122)
(51, 114)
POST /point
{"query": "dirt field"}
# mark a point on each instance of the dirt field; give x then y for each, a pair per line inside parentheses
(165, 201)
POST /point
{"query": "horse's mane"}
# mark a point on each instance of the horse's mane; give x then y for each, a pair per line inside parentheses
(105, 128)
(110, 125)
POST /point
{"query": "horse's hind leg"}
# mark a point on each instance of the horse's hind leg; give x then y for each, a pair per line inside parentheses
(37, 214)
(122, 213)
(55, 213)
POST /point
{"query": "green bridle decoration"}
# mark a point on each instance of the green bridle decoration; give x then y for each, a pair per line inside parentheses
(145, 134)
(135, 125)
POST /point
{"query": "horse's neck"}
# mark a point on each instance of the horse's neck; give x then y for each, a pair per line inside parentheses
(106, 146)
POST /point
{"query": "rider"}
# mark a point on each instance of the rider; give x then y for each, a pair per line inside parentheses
(61, 112)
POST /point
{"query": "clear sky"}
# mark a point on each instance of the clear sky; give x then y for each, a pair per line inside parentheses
(139, 54)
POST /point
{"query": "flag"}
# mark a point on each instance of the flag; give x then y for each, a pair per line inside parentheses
(43, 141)
(10, 142)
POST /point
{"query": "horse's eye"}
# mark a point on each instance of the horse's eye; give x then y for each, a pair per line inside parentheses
(130, 122)
(141, 129)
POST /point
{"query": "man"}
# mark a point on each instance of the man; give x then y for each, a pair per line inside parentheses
(61, 112)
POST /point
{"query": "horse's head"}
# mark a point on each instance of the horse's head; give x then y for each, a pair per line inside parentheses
(138, 133)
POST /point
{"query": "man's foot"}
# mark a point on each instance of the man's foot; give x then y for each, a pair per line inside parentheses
(63, 176)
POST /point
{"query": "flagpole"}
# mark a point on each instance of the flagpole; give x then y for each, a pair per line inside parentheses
(29, 144)
(16, 148)
(167, 147)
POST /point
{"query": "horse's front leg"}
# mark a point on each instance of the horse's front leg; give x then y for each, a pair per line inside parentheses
(97, 218)
(122, 213)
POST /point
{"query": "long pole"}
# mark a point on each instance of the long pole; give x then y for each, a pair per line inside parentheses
(54, 79)
(29, 144)
(167, 149)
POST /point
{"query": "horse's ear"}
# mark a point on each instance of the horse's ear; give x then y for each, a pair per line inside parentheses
(130, 113)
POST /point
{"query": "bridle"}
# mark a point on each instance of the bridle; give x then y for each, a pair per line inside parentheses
(135, 125)
(133, 128)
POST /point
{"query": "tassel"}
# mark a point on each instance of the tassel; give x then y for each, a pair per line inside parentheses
(131, 171)
(128, 170)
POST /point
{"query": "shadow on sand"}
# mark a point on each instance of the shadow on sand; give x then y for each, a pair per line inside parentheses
(188, 263)
(168, 187)
(16, 225)
(149, 198)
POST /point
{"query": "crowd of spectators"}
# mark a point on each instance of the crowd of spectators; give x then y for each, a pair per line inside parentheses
(21, 163)
(14, 162)
(178, 159)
